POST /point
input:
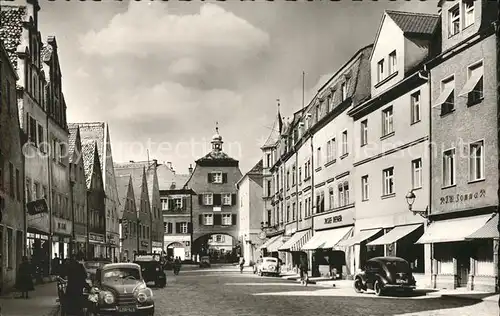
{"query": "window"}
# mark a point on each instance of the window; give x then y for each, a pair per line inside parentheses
(32, 129)
(40, 138)
(62, 152)
(1, 170)
(28, 190)
(344, 143)
(164, 204)
(318, 157)
(474, 85)
(343, 193)
(18, 185)
(294, 210)
(415, 107)
(388, 181)
(454, 20)
(476, 161)
(208, 219)
(334, 148)
(331, 198)
(364, 188)
(331, 101)
(300, 174)
(269, 187)
(449, 167)
(10, 248)
(387, 121)
(226, 198)
(215, 177)
(178, 205)
(208, 198)
(184, 228)
(219, 238)
(416, 173)
(344, 86)
(447, 97)
(380, 70)
(469, 13)
(364, 132)
(392, 63)
(11, 180)
(288, 179)
(293, 175)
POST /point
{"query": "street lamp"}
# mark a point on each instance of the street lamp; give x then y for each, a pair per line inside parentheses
(410, 199)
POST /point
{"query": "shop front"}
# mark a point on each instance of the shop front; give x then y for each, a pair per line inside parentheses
(37, 237)
(293, 248)
(285, 255)
(112, 243)
(61, 238)
(157, 247)
(80, 248)
(271, 246)
(329, 258)
(463, 252)
(96, 246)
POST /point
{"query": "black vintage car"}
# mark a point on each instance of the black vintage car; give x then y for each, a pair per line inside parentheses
(383, 274)
(118, 289)
(152, 267)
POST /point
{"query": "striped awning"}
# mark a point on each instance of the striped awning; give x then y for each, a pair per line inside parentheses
(276, 244)
(269, 241)
(488, 231)
(394, 235)
(297, 241)
(327, 239)
(450, 230)
(359, 237)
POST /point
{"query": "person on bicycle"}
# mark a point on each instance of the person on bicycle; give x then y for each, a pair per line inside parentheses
(177, 265)
(241, 264)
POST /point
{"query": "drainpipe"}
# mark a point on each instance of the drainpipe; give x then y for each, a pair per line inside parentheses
(313, 198)
(496, 242)
(50, 194)
(192, 226)
(71, 188)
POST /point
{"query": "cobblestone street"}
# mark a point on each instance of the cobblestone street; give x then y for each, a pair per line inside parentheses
(194, 293)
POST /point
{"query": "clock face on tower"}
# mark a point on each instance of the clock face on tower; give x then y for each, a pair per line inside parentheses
(262, 235)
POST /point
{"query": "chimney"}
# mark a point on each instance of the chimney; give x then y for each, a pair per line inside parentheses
(155, 162)
(169, 165)
(131, 161)
(190, 169)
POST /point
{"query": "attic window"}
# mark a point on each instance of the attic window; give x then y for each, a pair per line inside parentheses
(454, 20)
(469, 13)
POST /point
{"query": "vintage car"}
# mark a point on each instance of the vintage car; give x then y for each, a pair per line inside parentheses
(383, 274)
(205, 262)
(152, 268)
(269, 266)
(91, 268)
(119, 289)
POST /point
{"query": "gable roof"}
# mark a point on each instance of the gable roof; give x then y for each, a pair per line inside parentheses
(413, 22)
(88, 153)
(122, 184)
(137, 176)
(274, 136)
(11, 29)
(95, 131)
(149, 167)
(73, 132)
(168, 177)
(256, 173)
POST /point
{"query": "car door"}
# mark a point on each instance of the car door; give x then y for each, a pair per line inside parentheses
(371, 274)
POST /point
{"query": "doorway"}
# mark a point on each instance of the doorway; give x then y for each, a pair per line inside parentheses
(463, 269)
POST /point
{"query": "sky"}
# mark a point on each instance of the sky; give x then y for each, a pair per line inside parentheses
(164, 73)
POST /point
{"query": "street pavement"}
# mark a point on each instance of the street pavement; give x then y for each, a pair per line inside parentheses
(220, 291)
(42, 302)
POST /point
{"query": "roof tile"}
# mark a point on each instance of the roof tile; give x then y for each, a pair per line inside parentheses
(415, 23)
(88, 151)
(11, 29)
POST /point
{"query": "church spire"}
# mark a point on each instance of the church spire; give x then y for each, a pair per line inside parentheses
(280, 120)
(217, 139)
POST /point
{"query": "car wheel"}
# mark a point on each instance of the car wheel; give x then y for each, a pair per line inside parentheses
(377, 287)
(358, 285)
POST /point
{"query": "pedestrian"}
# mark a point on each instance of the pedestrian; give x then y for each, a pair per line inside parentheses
(55, 265)
(24, 282)
(76, 283)
(303, 272)
(241, 264)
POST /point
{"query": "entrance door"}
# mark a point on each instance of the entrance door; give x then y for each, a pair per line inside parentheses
(463, 268)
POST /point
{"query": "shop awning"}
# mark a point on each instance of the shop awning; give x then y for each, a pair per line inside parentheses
(269, 241)
(444, 96)
(359, 237)
(394, 235)
(297, 241)
(327, 238)
(450, 230)
(276, 244)
(488, 231)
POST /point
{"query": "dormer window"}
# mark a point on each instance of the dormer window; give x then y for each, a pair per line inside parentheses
(380, 70)
(392, 63)
(331, 100)
(454, 20)
(344, 86)
(469, 13)
(318, 111)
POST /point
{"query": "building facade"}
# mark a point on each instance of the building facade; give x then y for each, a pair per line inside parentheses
(250, 206)
(215, 208)
(78, 194)
(99, 132)
(95, 201)
(19, 33)
(58, 140)
(12, 199)
(129, 243)
(464, 161)
(142, 202)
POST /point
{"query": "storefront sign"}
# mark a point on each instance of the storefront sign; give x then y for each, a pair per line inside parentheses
(157, 244)
(37, 207)
(336, 219)
(96, 238)
(144, 243)
(463, 197)
(170, 239)
(39, 222)
(81, 239)
(111, 239)
(62, 226)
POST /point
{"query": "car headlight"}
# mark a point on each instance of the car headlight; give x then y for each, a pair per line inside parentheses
(157, 269)
(108, 297)
(144, 294)
(93, 298)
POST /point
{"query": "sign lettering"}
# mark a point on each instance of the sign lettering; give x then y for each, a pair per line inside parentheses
(462, 197)
(333, 219)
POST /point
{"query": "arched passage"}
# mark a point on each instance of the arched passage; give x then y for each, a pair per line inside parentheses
(221, 247)
(176, 249)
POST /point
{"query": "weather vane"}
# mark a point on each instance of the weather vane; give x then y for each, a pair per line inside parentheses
(217, 127)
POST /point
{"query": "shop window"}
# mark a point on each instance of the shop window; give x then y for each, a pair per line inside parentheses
(443, 254)
(484, 258)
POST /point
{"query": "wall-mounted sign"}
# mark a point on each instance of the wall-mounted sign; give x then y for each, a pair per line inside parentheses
(144, 243)
(37, 207)
(462, 197)
(156, 244)
(39, 222)
(96, 238)
(112, 239)
(335, 219)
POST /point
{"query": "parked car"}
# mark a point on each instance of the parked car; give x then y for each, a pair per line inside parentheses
(269, 266)
(152, 268)
(383, 274)
(119, 289)
(205, 262)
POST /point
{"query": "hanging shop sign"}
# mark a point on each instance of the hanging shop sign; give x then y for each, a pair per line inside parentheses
(335, 219)
(37, 207)
(144, 243)
(462, 197)
(96, 238)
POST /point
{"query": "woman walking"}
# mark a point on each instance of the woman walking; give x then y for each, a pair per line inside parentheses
(24, 282)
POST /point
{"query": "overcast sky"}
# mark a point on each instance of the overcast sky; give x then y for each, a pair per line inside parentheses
(162, 73)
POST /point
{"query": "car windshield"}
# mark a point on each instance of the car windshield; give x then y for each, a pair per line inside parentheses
(271, 260)
(397, 266)
(121, 273)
